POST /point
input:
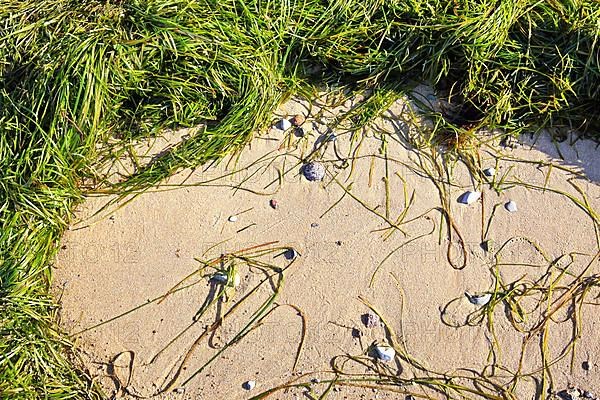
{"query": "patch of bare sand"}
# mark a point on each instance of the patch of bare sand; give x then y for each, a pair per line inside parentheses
(111, 265)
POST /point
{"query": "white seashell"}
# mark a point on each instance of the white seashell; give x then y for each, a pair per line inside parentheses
(385, 353)
(249, 385)
(283, 124)
(511, 206)
(469, 197)
(489, 172)
(232, 218)
(313, 171)
(479, 299)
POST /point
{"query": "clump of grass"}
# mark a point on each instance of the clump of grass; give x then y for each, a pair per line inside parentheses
(80, 77)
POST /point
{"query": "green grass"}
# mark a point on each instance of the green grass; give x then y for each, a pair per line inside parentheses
(78, 75)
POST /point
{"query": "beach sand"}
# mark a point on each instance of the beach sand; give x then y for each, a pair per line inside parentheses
(340, 228)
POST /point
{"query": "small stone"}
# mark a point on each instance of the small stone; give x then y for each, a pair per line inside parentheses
(385, 353)
(219, 277)
(273, 203)
(249, 385)
(511, 206)
(290, 254)
(283, 124)
(370, 320)
(489, 172)
(298, 120)
(314, 225)
(469, 197)
(487, 245)
(313, 171)
(585, 365)
(315, 380)
(180, 390)
(232, 218)
(338, 242)
(299, 132)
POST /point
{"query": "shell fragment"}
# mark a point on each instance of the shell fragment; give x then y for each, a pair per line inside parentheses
(249, 385)
(479, 299)
(489, 172)
(384, 352)
(469, 197)
(283, 124)
(511, 206)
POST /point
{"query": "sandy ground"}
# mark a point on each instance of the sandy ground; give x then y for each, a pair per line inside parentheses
(110, 265)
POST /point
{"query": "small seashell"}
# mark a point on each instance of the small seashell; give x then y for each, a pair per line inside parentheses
(469, 197)
(290, 254)
(313, 171)
(479, 299)
(179, 390)
(298, 120)
(283, 124)
(249, 385)
(232, 218)
(384, 352)
(273, 203)
(511, 206)
(331, 138)
(489, 172)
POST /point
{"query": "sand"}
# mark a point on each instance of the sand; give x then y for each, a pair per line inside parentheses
(111, 264)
